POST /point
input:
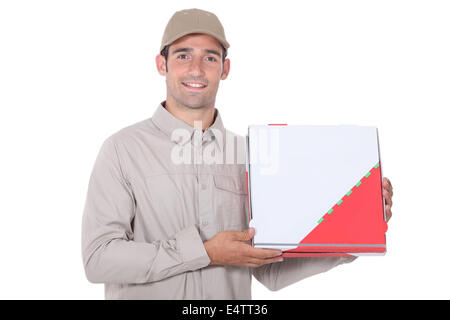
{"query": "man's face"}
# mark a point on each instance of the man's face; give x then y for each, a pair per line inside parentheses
(195, 69)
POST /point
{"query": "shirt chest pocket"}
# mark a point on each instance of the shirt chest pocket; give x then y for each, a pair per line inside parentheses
(231, 203)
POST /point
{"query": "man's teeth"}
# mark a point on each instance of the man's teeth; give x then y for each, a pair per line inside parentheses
(195, 85)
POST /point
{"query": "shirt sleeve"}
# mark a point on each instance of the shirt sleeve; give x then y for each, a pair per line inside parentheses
(109, 253)
(276, 276)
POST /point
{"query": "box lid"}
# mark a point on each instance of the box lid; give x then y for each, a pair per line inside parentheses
(316, 188)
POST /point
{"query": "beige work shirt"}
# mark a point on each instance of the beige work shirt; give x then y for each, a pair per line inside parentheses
(154, 197)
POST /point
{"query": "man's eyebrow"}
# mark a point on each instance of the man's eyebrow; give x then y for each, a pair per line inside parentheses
(182, 50)
(210, 51)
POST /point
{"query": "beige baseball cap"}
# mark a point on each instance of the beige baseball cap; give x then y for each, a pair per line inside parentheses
(193, 21)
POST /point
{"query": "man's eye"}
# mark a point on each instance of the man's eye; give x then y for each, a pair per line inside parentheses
(182, 56)
(211, 59)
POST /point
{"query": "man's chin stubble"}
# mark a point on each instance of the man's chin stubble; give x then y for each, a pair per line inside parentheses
(194, 106)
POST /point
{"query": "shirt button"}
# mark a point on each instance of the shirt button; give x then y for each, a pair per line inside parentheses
(204, 222)
(203, 186)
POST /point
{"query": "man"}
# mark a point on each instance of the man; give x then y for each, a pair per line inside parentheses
(160, 223)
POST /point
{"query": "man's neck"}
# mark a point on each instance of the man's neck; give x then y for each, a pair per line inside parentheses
(188, 115)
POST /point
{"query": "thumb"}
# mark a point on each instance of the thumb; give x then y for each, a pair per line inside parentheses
(245, 235)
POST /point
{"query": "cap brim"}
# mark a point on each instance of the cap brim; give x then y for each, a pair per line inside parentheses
(186, 32)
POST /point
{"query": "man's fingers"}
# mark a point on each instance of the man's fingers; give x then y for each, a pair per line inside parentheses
(254, 262)
(388, 213)
(387, 183)
(387, 197)
(255, 256)
(245, 235)
(263, 253)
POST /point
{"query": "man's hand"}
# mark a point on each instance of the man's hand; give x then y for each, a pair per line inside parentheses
(388, 194)
(229, 248)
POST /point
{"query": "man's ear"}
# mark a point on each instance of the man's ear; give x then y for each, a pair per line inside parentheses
(226, 69)
(161, 64)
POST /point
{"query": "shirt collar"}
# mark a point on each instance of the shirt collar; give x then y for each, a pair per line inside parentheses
(167, 123)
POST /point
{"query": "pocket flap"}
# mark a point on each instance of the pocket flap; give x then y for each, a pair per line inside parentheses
(231, 183)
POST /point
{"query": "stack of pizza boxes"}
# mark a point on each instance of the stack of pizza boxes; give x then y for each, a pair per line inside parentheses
(316, 190)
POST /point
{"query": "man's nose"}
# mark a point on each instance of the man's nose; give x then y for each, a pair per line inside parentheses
(196, 68)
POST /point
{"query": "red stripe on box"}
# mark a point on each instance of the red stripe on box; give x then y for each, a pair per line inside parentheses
(357, 220)
(312, 254)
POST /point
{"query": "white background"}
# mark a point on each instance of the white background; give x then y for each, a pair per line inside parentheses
(74, 72)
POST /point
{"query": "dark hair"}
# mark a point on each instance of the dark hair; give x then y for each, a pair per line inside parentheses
(165, 54)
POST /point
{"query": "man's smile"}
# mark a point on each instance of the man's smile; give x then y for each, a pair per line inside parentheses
(192, 85)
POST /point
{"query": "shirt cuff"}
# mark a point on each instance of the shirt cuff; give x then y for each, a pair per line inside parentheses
(191, 248)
